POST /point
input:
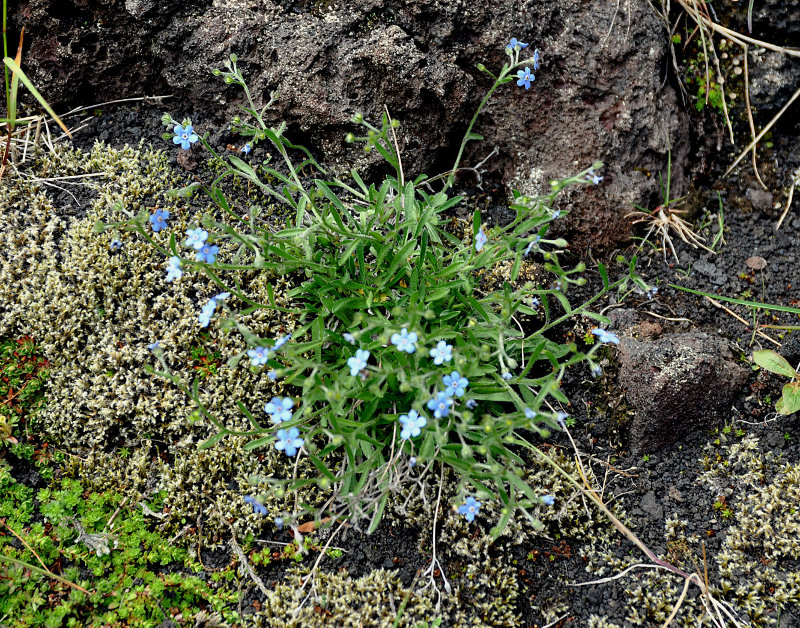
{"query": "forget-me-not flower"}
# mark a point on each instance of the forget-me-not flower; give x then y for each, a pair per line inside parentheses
(281, 341)
(412, 423)
(115, 245)
(524, 78)
(535, 60)
(469, 508)
(548, 499)
(272, 376)
(605, 336)
(515, 45)
(258, 507)
(185, 136)
(279, 409)
(440, 404)
(442, 352)
(154, 346)
(529, 414)
(207, 312)
(531, 244)
(507, 376)
(279, 523)
(259, 356)
(208, 253)
(472, 404)
(349, 337)
(159, 219)
(455, 384)
(480, 240)
(405, 341)
(246, 149)
(197, 238)
(561, 418)
(358, 361)
(174, 269)
(289, 441)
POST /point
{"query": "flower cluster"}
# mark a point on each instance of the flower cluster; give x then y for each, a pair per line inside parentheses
(259, 356)
(524, 77)
(197, 240)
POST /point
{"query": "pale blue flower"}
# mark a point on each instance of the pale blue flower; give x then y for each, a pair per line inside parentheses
(561, 418)
(455, 384)
(405, 341)
(358, 361)
(197, 238)
(549, 500)
(288, 441)
(507, 376)
(207, 312)
(515, 45)
(258, 507)
(442, 352)
(412, 461)
(605, 336)
(535, 60)
(154, 346)
(207, 253)
(349, 338)
(222, 296)
(259, 356)
(440, 404)
(185, 136)
(471, 404)
(159, 219)
(281, 341)
(412, 423)
(272, 376)
(115, 245)
(529, 414)
(525, 77)
(174, 269)
(469, 508)
(246, 149)
(279, 523)
(280, 409)
(480, 240)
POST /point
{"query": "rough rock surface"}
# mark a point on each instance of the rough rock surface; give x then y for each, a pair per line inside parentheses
(601, 93)
(677, 384)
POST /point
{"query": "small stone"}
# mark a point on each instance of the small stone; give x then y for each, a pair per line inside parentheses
(756, 262)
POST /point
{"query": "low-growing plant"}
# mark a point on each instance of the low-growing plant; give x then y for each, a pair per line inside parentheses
(416, 343)
(789, 403)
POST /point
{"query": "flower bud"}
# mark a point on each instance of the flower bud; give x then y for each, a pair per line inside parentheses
(358, 118)
(349, 138)
(234, 58)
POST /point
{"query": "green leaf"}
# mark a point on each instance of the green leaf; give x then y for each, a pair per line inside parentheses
(378, 514)
(773, 362)
(25, 81)
(212, 441)
(790, 402)
(258, 442)
(603, 275)
(186, 192)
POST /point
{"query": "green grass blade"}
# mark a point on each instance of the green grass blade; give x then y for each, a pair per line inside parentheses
(18, 73)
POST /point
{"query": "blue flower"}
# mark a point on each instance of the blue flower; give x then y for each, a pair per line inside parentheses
(358, 361)
(207, 312)
(531, 244)
(280, 409)
(288, 441)
(455, 385)
(222, 296)
(349, 338)
(561, 417)
(529, 414)
(535, 60)
(412, 461)
(272, 376)
(651, 292)
(469, 508)
(480, 240)
(115, 245)
(442, 352)
(525, 77)
(405, 341)
(154, 346)
(281, 341)
(197, 238)
(279, 523)
(605, 336)
(412, 424)
(159, 219)
(472, 404)
(208, 253)
(507, 376)
(596, 370)
(548, 500)
(258, 507)
(534, 302)
(259, 356)
(516, 45)
(185, 136)
(440, 404)
(556, 214)
(246, 149)
(174, 269)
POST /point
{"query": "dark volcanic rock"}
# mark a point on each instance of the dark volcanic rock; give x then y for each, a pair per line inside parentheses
(677, 384)
(601, 92)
